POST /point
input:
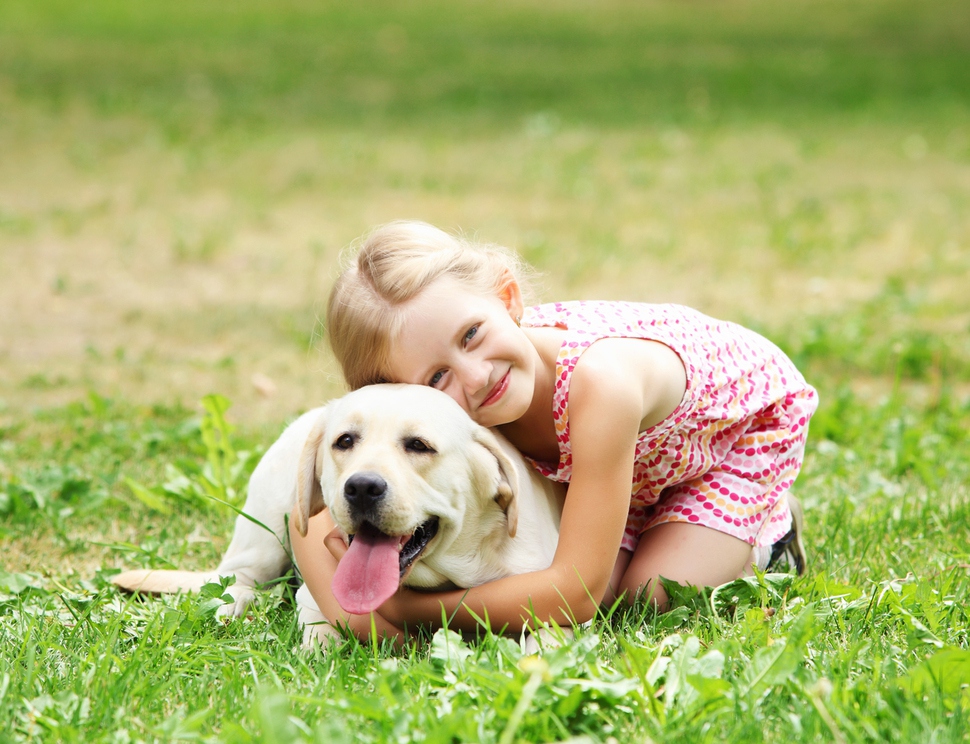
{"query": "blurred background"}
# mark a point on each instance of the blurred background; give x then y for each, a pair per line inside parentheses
(178, 180)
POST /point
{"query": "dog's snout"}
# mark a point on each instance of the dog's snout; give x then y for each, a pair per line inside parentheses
(364, 491)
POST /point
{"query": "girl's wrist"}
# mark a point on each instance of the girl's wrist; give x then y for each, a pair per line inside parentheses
(409, 607)
(395, 609)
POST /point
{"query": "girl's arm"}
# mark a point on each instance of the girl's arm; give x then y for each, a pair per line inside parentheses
(616, 389)
(317, 566)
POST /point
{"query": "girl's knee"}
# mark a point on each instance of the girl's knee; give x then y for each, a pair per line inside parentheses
(685, 553)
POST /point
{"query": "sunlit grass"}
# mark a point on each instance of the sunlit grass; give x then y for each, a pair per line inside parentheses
(871, 645)
(174, 273)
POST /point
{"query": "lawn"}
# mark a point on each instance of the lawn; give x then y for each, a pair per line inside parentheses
(177, 182)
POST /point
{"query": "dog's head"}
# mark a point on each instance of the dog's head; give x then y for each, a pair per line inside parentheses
(403, 471)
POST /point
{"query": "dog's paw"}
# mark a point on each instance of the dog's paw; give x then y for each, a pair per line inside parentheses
(530, 646)
(242, 597)
(321, 635)
(545, 639)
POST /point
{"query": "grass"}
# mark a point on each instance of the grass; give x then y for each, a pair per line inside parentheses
(176, 185)
(872, 645)
(418, 63)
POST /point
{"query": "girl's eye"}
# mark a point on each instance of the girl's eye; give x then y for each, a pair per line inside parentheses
(436, 378)
(471, 334)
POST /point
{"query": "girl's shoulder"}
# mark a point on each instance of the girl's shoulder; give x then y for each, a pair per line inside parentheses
(707, 346)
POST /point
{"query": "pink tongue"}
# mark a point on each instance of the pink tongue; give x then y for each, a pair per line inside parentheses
(369, 573)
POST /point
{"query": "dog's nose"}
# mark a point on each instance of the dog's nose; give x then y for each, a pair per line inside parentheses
(363, 491)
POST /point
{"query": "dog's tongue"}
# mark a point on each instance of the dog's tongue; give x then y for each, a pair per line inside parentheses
(369, 573)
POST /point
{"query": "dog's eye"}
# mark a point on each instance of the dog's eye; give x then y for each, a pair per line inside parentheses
(418, 445)
(344, 442)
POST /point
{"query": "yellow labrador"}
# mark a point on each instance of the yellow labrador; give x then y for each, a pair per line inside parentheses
(426, 497)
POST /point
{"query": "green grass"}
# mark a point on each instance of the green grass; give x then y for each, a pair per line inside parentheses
(618, 63)
(872, 645)
(176, 181)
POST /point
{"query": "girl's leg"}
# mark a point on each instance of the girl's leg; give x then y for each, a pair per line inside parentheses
(619, 569)
(686, 553)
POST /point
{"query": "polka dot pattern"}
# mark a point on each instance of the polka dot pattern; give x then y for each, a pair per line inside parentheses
(726, 457)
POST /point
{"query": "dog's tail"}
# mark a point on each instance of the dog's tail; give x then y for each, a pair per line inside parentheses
(150, 581)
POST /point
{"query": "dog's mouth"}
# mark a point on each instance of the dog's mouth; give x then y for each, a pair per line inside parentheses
(416, 544)
(376, 563)
(411, 546)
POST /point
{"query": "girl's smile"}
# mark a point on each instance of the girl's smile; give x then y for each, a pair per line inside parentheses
(469, 346)
(497, 392)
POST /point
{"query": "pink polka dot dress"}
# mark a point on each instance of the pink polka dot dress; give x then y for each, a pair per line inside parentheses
(727, 456)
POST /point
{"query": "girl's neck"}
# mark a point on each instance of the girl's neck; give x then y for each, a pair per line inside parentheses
(534, 434)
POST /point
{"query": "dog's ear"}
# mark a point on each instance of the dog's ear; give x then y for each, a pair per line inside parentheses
(506, 495)
(309, 497)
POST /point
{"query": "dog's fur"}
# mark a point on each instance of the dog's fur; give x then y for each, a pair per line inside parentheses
(495, 515)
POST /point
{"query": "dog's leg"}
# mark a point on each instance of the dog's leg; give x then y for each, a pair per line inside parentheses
(259, 550)
(255, 556)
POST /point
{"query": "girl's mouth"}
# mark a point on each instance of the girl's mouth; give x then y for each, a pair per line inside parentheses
(498, 391)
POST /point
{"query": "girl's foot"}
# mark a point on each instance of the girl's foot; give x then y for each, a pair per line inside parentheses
(789, 551)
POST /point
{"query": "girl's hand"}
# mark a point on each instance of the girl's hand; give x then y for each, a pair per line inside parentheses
(395, 609)
(335, 543)
(409, 608)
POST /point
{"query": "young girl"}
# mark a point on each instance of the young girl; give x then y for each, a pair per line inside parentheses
(679, 435)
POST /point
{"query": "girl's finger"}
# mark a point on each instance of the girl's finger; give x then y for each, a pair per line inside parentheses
(335, 543)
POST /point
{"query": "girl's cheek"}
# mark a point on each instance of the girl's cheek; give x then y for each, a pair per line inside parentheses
(451, 390)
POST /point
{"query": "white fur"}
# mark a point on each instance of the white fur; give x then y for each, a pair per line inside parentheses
(496, 515)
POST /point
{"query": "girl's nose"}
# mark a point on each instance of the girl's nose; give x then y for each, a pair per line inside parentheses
(473, 377)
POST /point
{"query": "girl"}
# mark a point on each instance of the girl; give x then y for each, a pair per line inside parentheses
(679, 435)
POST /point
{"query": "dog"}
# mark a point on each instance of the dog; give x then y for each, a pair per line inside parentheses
(426, 498)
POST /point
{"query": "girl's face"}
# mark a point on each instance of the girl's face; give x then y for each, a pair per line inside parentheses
(469, 346)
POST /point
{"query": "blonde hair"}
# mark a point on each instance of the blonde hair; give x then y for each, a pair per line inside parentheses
(390, 266)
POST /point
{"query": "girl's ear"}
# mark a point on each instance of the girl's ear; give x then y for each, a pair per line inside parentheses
(510, 293)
